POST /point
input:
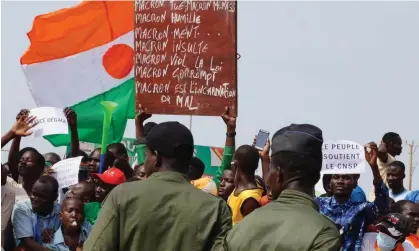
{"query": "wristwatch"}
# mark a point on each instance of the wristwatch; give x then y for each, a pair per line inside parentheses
(231, 134)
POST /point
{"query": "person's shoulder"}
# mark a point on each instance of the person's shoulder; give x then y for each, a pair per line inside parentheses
(57, 208)
(24, 205)
(9, 191)
(10, 181)
(322, 200)
(358, 189)
(413, 196)
(327, 222)
(86, 227)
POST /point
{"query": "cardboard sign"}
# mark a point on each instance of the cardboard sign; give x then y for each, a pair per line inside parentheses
(186, 56)
(342, 156)
(51, 121)
(67, 171)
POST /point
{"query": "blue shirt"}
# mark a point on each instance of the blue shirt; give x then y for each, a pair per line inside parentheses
(26, 223)
(358, 195)
(413, 196)
(58, 243)
(353, 217)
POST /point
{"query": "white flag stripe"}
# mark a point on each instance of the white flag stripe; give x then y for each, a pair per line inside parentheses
(75, 78)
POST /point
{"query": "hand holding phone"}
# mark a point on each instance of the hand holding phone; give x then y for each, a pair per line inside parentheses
(261, 139)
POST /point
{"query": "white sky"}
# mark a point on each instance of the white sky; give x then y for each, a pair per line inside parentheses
(351, 68)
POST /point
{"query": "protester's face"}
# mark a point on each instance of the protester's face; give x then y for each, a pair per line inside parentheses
(50, 160)
(395, 177)
(42, 197)
(139, 172)
(72, 210)
(274, 181)
(342, 184)
(3, 175)
(79, 191)
(396, 146)
(226, 185)
(411, 211)
(326, 184)
(116, 155)
(150, 162)
(27, 165)
(94, 162)
(102, 190)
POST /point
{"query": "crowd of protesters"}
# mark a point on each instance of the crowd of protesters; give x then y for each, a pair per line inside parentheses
(165, 202)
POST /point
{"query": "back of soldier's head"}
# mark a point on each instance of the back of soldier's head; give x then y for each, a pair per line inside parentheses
(297, 152)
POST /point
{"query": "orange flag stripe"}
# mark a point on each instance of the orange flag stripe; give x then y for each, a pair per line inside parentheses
(77, 29)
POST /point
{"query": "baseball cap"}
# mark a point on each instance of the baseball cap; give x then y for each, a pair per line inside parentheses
(396, 224)
(298, 138)
(167, 137)
(112, 176)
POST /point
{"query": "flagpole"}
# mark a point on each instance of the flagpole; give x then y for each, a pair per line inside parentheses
(190, 123)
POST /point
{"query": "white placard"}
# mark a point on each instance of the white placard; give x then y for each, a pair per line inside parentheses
(87, 147)
(343, 156)
(51, 121)
(67, 171)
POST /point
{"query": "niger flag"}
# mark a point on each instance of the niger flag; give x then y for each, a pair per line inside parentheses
(79, 57)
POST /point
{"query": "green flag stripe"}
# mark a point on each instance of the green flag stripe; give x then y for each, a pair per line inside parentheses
(90, 116)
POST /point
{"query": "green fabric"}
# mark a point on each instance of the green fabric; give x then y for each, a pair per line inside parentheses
(91, 211)
(292, 222)
(167, 206)
(90, 116)
(225, 164)
(140, 150)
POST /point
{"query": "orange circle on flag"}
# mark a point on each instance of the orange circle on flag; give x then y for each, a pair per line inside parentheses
(118, 60)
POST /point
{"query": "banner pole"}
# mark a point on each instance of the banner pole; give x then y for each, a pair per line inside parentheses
(190, 123)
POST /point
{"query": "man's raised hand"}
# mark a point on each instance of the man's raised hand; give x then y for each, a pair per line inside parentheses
(229, 120)
(142, 115)
(23, 125)
(71, 116)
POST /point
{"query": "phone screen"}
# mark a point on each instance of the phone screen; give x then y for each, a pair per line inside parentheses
(261, 139)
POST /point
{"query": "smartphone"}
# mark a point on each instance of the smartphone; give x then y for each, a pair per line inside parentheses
(261, 139)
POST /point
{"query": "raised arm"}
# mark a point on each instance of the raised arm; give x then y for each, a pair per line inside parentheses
(14, 148)
(229, 144)
(139, 132)
(380, 204)
(72, 123)
(21, 128)
(382, 151)
(264, 159)
(139, 122)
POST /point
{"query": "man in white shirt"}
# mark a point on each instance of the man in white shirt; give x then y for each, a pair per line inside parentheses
(395, 177)
(389, 148)
(7, 202)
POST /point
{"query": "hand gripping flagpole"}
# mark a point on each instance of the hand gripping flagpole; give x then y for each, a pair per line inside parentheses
(108, 107)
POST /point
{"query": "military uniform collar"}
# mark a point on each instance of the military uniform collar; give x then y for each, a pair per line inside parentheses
(170, 175)
(296, 197)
